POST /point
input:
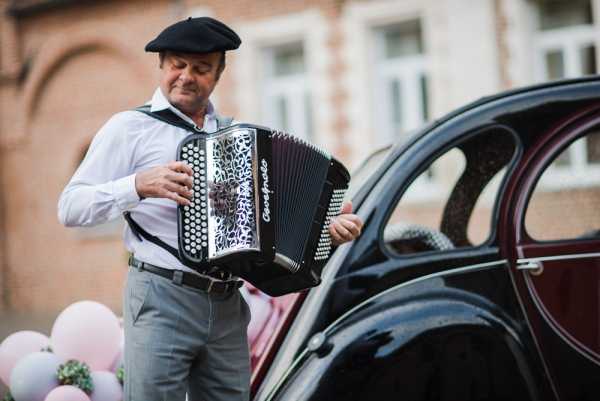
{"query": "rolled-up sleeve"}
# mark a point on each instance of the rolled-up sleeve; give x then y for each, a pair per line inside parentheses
(103, 186)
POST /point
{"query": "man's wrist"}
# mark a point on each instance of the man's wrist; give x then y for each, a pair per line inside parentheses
(137, 191)
(125, 192)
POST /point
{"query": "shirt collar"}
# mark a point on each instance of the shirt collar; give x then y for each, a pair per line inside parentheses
(160, 102)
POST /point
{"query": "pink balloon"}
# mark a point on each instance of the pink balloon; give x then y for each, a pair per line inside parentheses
(88, 332)
(15, 347)
(118, 362)
(106, 387)
(67, 393)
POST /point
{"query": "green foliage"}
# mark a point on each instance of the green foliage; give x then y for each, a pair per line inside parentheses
(76, 374)
(8, 397)
(121, 374)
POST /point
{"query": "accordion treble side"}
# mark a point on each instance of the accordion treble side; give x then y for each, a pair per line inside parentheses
(261, 209)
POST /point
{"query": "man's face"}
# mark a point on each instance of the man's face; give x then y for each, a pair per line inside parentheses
(187, 80)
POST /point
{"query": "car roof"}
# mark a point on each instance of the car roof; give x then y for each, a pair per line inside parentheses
(481, 102)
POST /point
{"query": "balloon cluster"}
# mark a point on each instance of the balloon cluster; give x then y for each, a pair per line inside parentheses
(80, 361)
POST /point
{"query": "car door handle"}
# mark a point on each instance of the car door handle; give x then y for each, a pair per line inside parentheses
(534, 268)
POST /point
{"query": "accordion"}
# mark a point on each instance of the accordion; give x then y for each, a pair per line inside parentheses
(262, 204)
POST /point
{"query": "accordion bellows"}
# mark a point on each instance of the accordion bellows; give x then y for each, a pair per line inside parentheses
(261, 209)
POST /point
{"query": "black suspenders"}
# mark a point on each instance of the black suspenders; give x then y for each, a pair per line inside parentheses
(168, 117)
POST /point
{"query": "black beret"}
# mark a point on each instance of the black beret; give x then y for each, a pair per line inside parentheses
(196, 35)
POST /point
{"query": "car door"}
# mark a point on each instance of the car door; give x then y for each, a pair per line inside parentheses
(550, 234)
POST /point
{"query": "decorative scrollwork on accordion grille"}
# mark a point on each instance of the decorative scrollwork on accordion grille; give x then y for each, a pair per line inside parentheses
(235, 222)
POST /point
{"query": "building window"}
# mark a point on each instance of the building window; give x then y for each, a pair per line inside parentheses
(287, 100)
(566, 48)
(401, 90)
(573, 197)
(565, 40)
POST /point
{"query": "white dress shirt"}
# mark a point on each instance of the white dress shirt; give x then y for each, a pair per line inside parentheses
(103, 187)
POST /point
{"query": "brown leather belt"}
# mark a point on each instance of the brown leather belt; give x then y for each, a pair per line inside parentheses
(203, 283)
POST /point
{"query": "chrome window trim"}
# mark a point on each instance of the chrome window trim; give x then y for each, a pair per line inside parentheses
(560, 257)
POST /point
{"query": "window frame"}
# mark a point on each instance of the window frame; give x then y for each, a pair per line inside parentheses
(547, 169)
(295, 88)
(510, 166)
(408, 71)
(570, 41)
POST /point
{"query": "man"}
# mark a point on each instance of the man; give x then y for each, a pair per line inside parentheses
(184, 331)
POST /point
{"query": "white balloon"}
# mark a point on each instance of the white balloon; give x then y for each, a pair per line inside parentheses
(34, 376)
(88, 332)
(106, 387)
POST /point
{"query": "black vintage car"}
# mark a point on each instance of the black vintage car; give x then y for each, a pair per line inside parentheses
(487, 289)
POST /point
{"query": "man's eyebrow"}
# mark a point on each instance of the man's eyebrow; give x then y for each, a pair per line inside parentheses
(203, 62)
(194, 62)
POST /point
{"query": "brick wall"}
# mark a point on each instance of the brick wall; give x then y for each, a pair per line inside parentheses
(63, 73)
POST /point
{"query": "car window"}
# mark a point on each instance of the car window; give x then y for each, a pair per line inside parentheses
(360, 175)
(451, 203)
(565, 202)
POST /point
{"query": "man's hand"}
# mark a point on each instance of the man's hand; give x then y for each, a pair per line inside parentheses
(345, 227)
(172, 181)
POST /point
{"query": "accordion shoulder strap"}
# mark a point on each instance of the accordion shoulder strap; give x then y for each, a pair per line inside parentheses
(223, 122)
(169, 117)
(140, 233)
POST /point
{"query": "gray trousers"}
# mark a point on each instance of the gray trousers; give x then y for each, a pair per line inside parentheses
(179, 339)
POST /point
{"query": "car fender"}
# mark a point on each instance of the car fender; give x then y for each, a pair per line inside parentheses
(427, 333)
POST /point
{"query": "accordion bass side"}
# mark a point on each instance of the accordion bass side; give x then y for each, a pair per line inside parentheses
(262, 204)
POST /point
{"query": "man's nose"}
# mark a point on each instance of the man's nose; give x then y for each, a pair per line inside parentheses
(185, 75)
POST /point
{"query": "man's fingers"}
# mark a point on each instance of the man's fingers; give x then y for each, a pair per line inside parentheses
(180, 178)
(342, 231)
(178, 189)
(350, 226)
(176, 197)
(346, 208)
(180, 167)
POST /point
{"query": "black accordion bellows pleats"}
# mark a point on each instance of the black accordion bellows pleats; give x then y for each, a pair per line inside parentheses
(299, 173)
